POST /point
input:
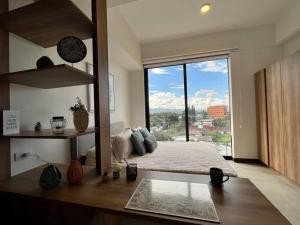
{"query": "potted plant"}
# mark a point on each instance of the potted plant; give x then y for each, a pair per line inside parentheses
(116, 171)
(80, 116)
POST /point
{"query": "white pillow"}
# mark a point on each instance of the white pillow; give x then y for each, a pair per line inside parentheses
(121, 145)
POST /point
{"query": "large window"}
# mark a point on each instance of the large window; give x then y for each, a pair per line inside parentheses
(190, 102)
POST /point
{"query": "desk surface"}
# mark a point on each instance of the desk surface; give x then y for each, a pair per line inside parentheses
(238, 202)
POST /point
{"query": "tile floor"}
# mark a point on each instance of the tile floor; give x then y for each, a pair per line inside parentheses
(284, 194)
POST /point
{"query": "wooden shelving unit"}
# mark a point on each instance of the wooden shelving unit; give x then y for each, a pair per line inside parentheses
(5, 153)
(46, 22)
(48, 134)
(52, 77)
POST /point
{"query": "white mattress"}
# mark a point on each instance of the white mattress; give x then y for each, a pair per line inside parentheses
(183, 157)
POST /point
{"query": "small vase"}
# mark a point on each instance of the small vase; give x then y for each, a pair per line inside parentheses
(81, 120)
(75, 172)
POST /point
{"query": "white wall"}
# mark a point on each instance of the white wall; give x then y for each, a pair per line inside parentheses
(120, 34)
(257, 49)
(288, 30)
(40, 105)
(292, 46)
(288, 25)
(122, 94)
(137, 98)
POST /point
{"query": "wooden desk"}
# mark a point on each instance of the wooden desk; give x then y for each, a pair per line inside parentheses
(238, 203)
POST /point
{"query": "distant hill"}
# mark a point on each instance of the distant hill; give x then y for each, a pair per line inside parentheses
(179, 111)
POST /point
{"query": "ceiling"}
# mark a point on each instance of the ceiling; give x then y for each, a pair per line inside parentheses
(157, 20)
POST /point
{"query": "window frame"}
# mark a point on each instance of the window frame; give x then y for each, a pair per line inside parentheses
(184, 65)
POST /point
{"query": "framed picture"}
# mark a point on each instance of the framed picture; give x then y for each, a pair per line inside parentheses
(111, 92)
(11, 122)
(91, 106)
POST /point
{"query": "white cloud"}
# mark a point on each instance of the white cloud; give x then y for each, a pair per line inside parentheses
(177, 86)
(166, 100)
(153, 92)
(158, 71)
(179, 68)
(206, 97)
(212, 66)
(201, 100)
(206, 93)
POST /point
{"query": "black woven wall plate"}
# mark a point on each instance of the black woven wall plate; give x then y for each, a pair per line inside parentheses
(71, 49)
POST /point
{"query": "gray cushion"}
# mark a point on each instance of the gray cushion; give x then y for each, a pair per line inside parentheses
(137, 140)
(150, 143)
(145, 132)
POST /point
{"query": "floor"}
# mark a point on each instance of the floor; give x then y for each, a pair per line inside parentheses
(284, 194)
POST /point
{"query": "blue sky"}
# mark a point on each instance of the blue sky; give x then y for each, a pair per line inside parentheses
(207, 85)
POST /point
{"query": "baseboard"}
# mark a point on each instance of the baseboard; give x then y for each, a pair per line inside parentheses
(243, 160)
(226, 157)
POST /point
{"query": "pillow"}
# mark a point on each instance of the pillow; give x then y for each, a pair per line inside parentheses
(150, 143)
(138, 143)
(129, 147)
(122, 146)
(145, 132)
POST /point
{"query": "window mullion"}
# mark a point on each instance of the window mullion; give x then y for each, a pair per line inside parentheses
(186, 104)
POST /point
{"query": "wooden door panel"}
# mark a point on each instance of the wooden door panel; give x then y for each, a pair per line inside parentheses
(290, 70)
(261, 117)
(275, 123)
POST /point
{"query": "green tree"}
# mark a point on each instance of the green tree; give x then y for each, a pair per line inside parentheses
(162, 136)
(220, 122)
(204, 114)
(191, 114)
(164, 119)
(171, 118)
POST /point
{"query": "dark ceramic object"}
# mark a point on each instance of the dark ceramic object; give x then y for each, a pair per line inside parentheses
(50, 177)
(38, 127)
(44, 62)
(71, 49)
(216, 177)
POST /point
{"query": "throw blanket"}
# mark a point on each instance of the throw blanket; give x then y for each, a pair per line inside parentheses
(183, 157)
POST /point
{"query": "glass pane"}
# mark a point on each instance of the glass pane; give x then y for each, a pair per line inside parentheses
(209, 106)
(166, 103)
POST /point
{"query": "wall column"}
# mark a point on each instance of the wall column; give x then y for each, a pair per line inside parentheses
(101, 86)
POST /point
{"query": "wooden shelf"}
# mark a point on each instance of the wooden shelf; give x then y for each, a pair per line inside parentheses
(52, 77)
(47, 21)
(48, 134)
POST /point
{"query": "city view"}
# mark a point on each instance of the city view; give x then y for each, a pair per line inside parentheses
(207, 100)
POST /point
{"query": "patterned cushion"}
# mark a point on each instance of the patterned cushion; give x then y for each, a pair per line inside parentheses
(137, 140)
(151, 143)
(145, 132)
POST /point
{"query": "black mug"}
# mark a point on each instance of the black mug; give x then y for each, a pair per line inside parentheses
(216, 176)
(131, 171)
